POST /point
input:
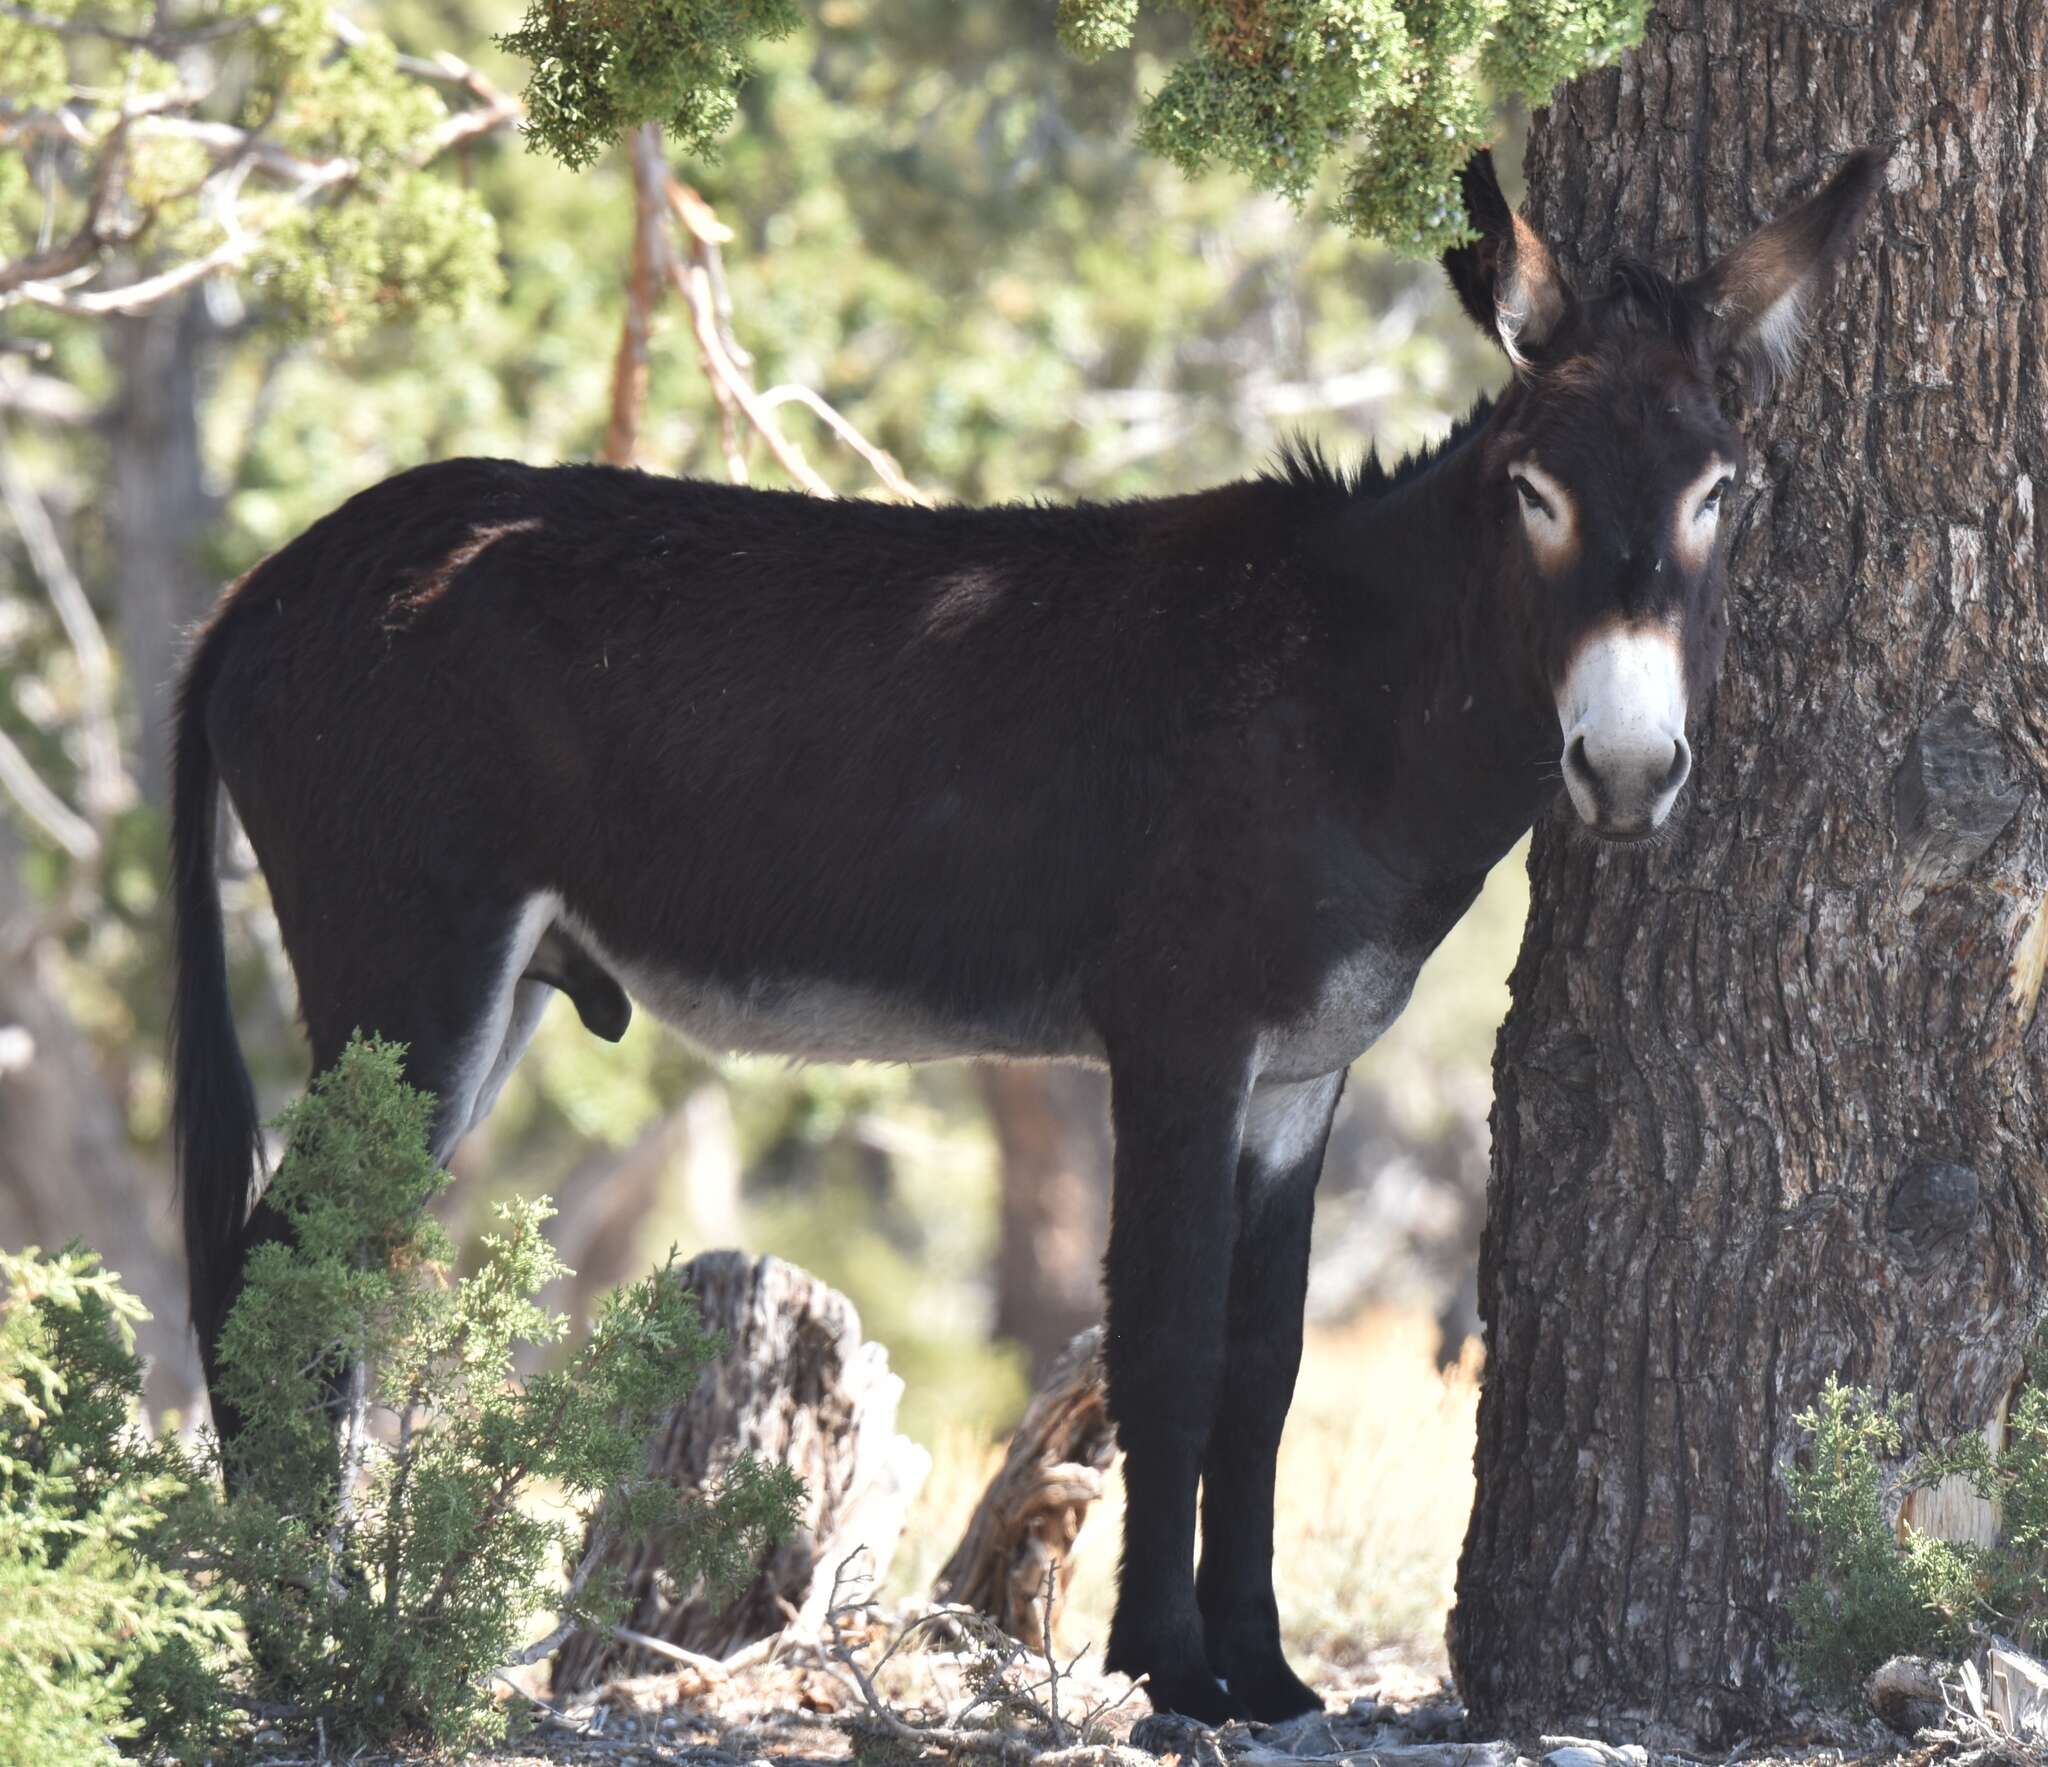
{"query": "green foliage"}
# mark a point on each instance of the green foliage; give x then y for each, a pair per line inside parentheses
(1274, 87)
(1270, 88)
(1876, 1594)
(334, 209)
(603, 67)
(382, 1600)
(2014, 1577)
(90, 1618)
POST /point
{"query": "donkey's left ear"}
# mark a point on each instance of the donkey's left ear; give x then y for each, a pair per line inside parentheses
(1762, 294)
(1506, 278)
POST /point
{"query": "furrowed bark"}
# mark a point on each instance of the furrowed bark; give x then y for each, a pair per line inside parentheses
(1770, 1098)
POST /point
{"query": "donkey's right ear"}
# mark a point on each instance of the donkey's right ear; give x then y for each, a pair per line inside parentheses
(1506, 278)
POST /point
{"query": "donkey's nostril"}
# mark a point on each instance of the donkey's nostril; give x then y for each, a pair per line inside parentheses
(1681, 765)
(1575, 761)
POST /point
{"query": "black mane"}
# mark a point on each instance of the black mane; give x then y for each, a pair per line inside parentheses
(1302, 465)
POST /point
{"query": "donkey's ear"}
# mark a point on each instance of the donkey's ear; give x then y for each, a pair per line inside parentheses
(1506, 277)
(1762, 294)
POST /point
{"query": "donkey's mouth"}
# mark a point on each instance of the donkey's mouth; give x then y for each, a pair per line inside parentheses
(1636, 835)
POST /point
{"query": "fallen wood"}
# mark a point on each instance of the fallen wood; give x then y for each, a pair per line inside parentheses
(2016, 1690)
(797, 1385)
(1421, 1754)
(1017, 1556)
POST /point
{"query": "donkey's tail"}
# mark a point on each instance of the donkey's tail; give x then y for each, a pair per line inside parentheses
(218, 1135)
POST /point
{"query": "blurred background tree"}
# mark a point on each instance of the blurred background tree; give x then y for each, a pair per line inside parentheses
(255, 257)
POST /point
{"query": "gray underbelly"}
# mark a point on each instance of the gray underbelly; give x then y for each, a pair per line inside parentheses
(813, 1019)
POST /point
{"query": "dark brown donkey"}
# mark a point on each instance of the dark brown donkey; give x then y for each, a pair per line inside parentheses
(1189, 787)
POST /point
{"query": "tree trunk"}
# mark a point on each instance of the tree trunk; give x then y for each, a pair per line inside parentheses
(67, 1170)
(160, 510)
(796, 1385)
(1052, 1129)
(1769, 1100)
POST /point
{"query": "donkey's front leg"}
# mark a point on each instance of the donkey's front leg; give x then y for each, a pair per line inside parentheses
(1168, 1278)
(1286, 1129)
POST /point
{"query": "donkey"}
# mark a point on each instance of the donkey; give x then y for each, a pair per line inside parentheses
(1188, 787)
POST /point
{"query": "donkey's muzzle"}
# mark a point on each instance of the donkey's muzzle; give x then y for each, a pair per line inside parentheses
(1622, 795)
(1622, 708)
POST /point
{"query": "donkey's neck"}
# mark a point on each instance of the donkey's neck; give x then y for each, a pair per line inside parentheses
(1474, 734)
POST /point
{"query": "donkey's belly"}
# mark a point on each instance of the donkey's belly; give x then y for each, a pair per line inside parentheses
(815, 1019)
(1359, 996)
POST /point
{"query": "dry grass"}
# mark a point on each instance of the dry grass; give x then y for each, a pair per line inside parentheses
(1375, 1488)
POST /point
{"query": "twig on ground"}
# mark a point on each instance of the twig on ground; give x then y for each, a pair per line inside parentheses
(999, 1687)
(711, 1668)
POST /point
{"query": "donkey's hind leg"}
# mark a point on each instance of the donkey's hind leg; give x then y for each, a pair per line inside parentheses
(1286, 1129)
(446, 985)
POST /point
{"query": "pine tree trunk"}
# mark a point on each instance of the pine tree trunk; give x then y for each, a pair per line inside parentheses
(160, 510)
(1770, 1098)
(1052, 1130)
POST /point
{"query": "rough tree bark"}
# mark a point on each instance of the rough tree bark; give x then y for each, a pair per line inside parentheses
(1769, 1101)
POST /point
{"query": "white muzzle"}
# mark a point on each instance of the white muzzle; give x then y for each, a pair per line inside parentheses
(1622, 710)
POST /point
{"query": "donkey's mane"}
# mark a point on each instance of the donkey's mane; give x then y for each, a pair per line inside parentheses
(1301, 464)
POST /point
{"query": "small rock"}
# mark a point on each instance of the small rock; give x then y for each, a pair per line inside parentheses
(1582, 1751)
(1305, 1737)
(1441, 1720)
(1168, 1733)
(1906, 1693)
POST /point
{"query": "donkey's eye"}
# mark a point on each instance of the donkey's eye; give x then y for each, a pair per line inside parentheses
(1711, 502)
(1532, 499)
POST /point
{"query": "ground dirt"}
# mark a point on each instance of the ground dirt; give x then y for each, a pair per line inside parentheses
(807, 1710)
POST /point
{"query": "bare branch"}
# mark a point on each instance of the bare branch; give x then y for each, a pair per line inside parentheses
(164, 43)
(46, 397)
(107, 787)
(882, 462)
(44, 807)
(694, 285)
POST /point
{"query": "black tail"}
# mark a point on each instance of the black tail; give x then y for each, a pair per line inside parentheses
(219, 1138)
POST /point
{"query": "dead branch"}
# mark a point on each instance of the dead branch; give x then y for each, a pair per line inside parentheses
(1004, 1680)
(696, 272)
(168, 44)
(107, 788)
(1014, 1561)
(42, 806)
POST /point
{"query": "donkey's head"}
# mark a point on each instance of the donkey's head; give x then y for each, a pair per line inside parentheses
(1608, 467)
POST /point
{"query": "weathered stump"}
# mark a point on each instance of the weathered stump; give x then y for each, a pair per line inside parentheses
(798, 1386)
(1021, 1535)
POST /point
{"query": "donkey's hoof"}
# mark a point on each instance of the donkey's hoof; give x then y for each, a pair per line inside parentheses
(1274, 1693)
